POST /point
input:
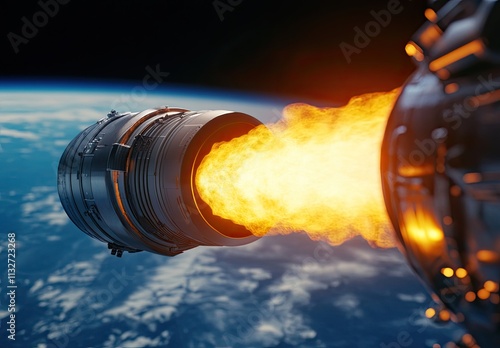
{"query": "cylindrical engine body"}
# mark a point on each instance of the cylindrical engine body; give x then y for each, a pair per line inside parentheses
(128, 180)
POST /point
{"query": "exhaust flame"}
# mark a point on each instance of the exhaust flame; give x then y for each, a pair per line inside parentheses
(317, 170)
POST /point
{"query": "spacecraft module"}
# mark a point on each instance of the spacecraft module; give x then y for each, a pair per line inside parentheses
(128, 180)
(440, 165)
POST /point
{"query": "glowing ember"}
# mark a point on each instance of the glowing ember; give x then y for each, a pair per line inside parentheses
(317, 170)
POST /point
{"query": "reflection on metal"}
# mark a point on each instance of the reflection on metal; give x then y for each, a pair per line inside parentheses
(413, 50)
(461, 272)
(447, 272)
(409, 170)
(431, 15)
(475, 48)
(128, 180)
(441, 166)
(451, 88)
(421, 228)
(488, 256)
(430, 35)
(484, 99)
(472, 178)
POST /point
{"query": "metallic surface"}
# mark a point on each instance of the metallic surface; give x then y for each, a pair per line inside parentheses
(441, 167)
(128, 180)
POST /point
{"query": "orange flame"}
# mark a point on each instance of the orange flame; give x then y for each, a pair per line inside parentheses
(317, 170)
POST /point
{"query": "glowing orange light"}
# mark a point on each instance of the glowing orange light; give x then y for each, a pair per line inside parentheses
(491, 286)
(444, 315)
(451, 88)
(461, 273)
(317, 170)
(472, 178)
(472, 48)
(483, 294)
(430, 15)
(447, 272)
(421, 228)
(487, 256)
(468, 339)
(443, 74)
(430, 312)
(430, 35)
(414, 51)
(410, 171)
(410, 49)
(470, 296)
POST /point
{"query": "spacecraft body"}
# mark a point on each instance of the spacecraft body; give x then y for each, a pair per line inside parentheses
(441, 165)
(128, 180)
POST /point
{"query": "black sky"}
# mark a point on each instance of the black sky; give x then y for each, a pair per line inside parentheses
(289, 48)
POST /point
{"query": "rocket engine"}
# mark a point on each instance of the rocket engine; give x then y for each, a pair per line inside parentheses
(128, 180)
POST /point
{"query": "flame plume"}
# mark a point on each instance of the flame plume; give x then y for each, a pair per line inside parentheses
(316, 170)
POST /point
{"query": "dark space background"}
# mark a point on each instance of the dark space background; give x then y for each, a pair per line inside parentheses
(282, 48)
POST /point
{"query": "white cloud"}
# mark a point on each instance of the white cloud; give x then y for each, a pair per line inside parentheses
(419, 297)
(159, 313)
(297, 287)
(267, 334)
(68, 300)
(255, 273)
(13, 133)
(337, 269)
(42, 205)
(131, 339)
(141, 341)
(62, 142)
(38, 285)
(247, 285)
(350, 304)
(75, 272)
(168, 285)
(389, 260)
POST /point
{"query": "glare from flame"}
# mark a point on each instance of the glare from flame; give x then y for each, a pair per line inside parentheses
(317, 171)
(422, 228)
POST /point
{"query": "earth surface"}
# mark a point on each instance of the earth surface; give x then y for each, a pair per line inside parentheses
(281, 291)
